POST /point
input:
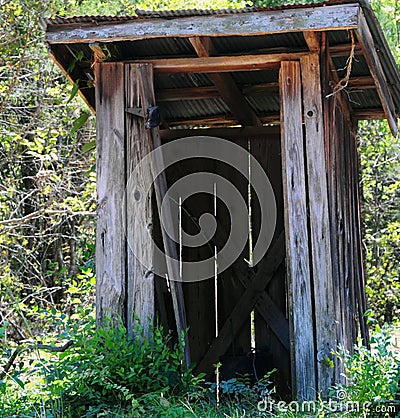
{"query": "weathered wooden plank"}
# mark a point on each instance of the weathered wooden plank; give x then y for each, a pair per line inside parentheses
(199, 293)
(351, 307)
(230, 286)
(220, 64)
(341, 96)
(210, 92)
(146, 86)
(187, 93)
(338, 17)
(368, 114)
(321, 262)
(297, 252)
(330, 156)
(228, 133)
(221, 120)
(226, 85)
(313, 40)
(375, 67)
(268, 340)
(359, 247)
(139, 217)
(111, 181)
(244, 306)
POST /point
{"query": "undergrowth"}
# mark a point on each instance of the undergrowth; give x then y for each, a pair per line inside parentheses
(107, 373)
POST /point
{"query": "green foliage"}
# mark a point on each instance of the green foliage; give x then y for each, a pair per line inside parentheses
(372, 376)
(380, 154)
(109, 367)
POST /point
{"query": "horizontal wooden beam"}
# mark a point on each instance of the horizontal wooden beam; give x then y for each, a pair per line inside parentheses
(314, 18)
(229, 133)
(369, 114)
(221, 120)
(343, 50)
(215, 120)
(211, 92)
(220, 64)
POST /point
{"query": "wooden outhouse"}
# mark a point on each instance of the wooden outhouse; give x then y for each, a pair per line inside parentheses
(287, 85)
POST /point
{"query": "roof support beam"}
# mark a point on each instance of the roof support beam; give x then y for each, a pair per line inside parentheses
(335, 17)
(226, 85)
(220, 121)
(375, 67)
(221, 64)
(230, 133)
(210, 92)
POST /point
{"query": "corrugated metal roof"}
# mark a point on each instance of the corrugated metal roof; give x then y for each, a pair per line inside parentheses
(191, 12)
(164, 14)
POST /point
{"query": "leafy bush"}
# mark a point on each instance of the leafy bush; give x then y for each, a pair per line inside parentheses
(109, 367)
(372, 375)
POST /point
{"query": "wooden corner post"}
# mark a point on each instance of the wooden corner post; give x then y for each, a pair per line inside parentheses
(297, 251)
(318, 209)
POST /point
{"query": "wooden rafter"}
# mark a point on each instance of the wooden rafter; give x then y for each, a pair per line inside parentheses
(226, 86)
(375, 67)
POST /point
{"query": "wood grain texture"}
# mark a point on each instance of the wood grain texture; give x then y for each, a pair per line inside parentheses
(146, 88)
(296, 232)
(139, 216)
(267, 150)
(335, 17)
(321, 262)
(111, 178)
(221, 63)
(226, 85)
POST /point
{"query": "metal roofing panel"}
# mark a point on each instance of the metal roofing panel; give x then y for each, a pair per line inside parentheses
(236, 44)
(192, 109)
(265, 104)
(154, 47)
(192, 12)
(367, 99)
(181, 80)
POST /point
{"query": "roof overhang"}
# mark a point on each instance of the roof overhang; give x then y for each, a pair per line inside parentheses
(234, 43)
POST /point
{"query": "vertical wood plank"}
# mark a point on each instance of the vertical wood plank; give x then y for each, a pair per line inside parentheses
(230, 287)
(110, 236)
(324, 303)
(267, 150)
(146, 86)
(297, 254)
(139, 218)
(329, 106)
